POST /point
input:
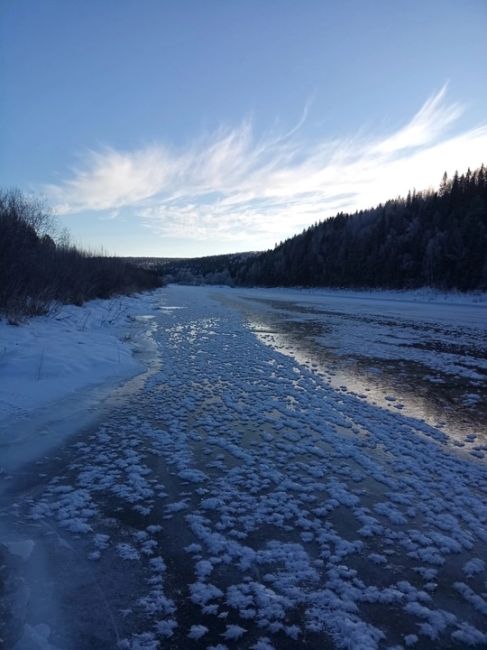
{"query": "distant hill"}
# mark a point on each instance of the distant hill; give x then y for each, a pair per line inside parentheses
(150, 262)
(214, 269)
(432, 238)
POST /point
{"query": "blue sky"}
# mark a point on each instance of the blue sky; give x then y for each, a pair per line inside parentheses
(191, 128)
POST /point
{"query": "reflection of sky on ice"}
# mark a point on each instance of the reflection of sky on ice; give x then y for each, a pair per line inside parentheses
(404, 367)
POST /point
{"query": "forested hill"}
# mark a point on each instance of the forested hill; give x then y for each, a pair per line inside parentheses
(213, 269)
(433, 238)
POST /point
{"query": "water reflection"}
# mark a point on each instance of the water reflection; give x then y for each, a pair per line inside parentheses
(315, 338)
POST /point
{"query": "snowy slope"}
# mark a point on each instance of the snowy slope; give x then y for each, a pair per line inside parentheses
(56, 371)
(49, 357)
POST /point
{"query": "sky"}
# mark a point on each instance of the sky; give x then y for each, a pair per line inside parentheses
(179, 129)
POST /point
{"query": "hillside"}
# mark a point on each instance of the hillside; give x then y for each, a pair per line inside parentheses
(433, 238)
(213, 269)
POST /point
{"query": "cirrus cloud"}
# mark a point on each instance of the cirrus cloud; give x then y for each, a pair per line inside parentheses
(231, 185)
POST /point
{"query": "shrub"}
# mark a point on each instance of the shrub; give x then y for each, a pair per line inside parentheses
(35, 271)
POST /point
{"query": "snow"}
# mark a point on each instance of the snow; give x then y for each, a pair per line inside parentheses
(233, 632)
(47, 359)
(366, 323)
(197, 631)
(166, 628)
(127, 552)
(239, 496)
(469, 635)
(410, 640)
(424, 295)
(474, 566)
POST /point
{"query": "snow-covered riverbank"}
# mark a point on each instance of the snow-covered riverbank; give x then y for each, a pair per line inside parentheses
(424, 295)
(57, 370)
(51, 357)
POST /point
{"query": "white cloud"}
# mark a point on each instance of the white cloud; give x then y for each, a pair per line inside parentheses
(112, 179)
(429, 123)
(232, 186)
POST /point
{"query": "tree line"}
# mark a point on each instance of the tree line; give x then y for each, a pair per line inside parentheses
(431, 238)
(38, 266)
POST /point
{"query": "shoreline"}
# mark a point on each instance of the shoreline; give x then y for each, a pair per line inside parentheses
(57, 371)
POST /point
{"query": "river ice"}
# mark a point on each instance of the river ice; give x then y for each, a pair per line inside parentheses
(239, 498)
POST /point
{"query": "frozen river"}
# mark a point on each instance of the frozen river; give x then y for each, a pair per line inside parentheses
(295, 469)
(428, 360)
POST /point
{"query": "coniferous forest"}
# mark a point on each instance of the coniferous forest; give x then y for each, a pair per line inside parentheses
(431, 238)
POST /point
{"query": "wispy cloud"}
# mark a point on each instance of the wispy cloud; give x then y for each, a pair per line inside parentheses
(231, 185)
(426, 126)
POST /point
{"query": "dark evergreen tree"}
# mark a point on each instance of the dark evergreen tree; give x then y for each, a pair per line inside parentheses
(429, 238)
